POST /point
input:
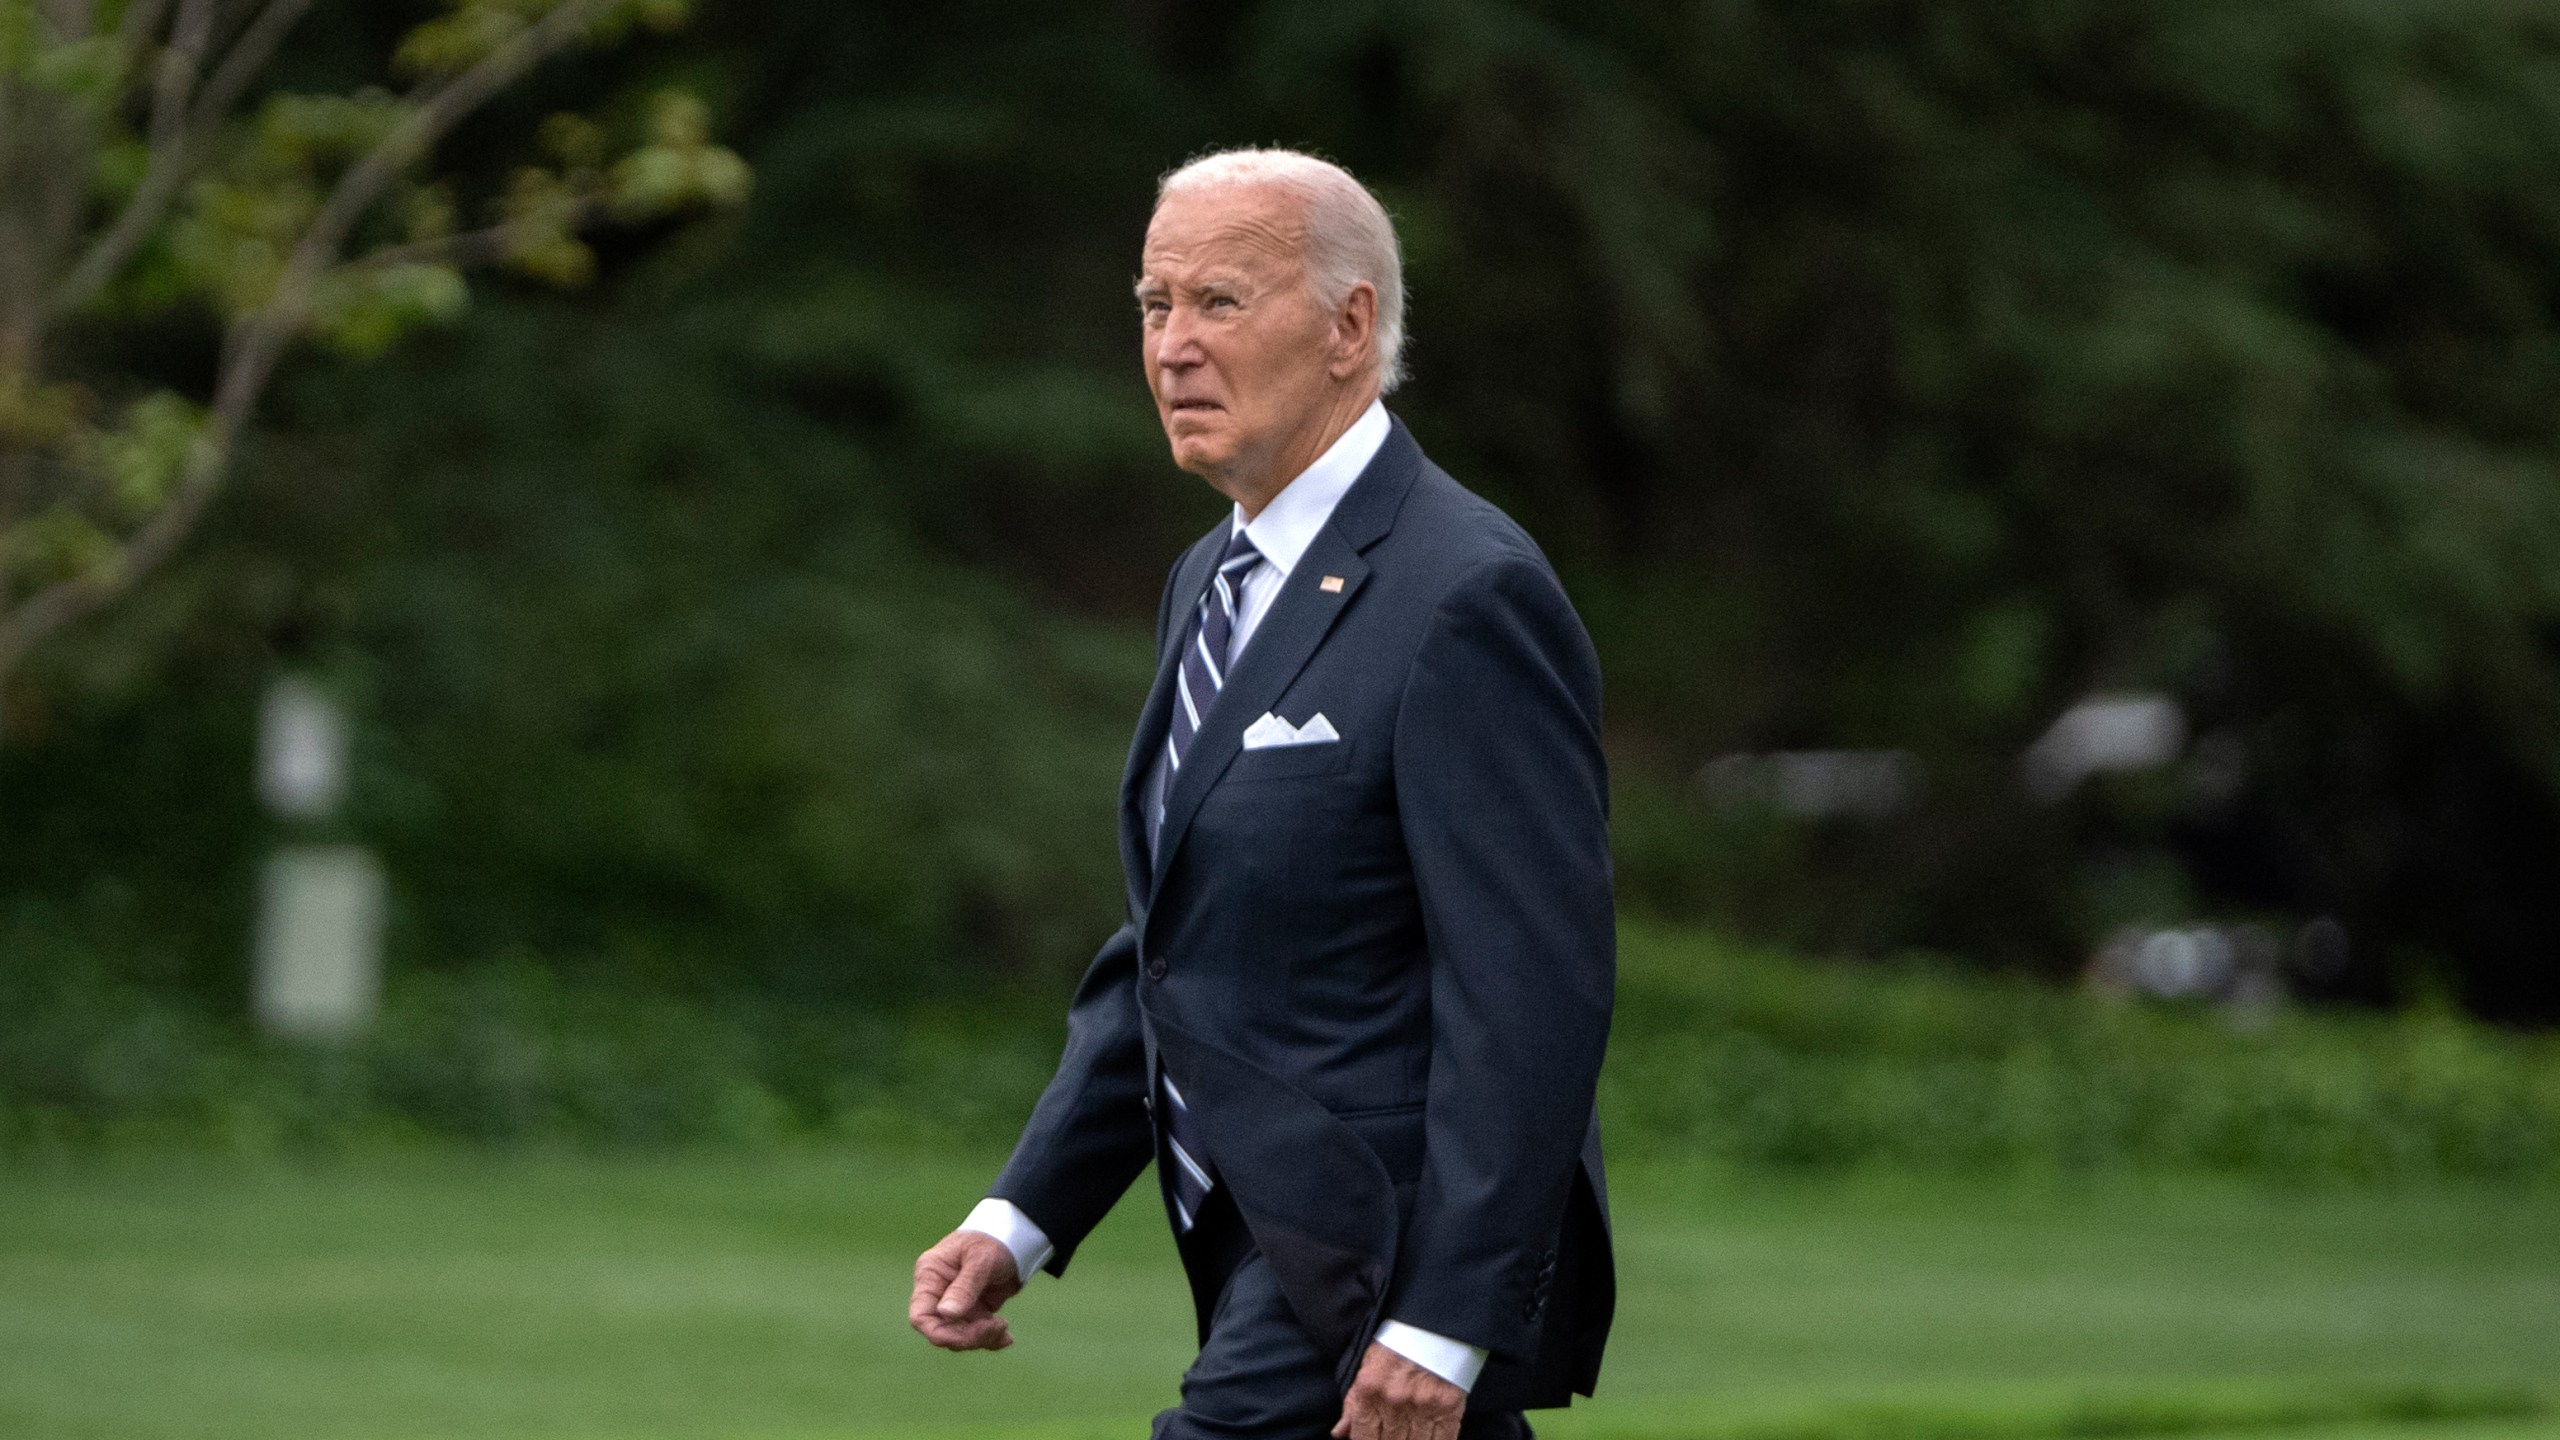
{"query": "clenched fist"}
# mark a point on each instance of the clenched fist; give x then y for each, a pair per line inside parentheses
(960, 1284)
(1395, 1399)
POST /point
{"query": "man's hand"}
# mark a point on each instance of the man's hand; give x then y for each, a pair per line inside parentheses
(960, 1284)
(1395, 1399)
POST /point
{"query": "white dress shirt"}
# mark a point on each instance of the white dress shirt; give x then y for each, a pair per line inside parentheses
(1288, 525)
(1282, 532)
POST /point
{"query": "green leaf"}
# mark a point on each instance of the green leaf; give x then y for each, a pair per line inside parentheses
(38, 416)
(463, 38)
(89, 70)
(142, 459)
(680, 169)
(57, 545)
(543, 212)
(362, 312)
(300, 134)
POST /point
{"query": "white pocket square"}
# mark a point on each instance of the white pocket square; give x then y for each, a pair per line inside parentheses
(1271, 731)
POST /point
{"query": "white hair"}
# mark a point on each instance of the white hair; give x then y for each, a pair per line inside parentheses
(1349, 237)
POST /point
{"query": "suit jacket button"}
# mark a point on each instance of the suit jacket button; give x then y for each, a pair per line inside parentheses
(1155, 967)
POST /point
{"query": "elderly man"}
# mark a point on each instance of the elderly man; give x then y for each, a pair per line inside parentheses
(1357, 1013)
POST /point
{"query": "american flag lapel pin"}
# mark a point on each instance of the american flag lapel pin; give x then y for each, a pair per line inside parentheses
(1331, 585)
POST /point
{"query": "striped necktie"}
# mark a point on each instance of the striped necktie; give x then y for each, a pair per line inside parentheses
(1204, 660)
(1192, 1181)
(1203, 674)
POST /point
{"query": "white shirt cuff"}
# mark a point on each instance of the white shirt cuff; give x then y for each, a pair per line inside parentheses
(1455, 1361)
(1005, 1221)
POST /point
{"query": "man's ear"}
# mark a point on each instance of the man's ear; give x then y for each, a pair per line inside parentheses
(1355, 331)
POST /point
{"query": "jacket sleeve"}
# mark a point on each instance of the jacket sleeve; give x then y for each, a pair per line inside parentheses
(1090, 1134)
(1504, 802)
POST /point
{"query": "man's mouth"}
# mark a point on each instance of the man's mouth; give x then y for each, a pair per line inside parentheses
(1195, 406)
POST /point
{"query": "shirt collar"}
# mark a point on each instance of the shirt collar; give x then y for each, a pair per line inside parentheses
(1288, 525)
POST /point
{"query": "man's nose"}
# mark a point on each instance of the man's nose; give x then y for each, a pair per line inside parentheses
(1177, 347)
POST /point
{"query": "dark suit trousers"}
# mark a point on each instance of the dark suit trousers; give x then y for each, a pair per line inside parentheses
(1259, 1375)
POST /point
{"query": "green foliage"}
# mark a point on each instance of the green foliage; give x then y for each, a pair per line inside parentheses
(57, 546)
(1721, 1053)
(471, 30)
(363, 313)
(1894, 373)
(1759, 1059)
(85, 71)
(142, 458)
(231, 243)
(135, 462)
(505, 1055)
(151, 168)
(679, 169)
(83, 68)
(828, 766)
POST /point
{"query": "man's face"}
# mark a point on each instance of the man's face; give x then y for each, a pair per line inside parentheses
(1237, 348)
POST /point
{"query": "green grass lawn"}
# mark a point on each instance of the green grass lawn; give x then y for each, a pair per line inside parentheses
(432, 1297)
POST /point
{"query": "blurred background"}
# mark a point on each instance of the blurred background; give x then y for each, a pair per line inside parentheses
(526, 920)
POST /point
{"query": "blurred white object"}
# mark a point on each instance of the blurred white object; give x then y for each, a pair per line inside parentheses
(2177, 964)
(319, 945)
(302, 751)
(2235, 966)
(2104, 734)
(1816, 784)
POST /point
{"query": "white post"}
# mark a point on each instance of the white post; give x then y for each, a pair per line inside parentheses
(320, 942)
(318, 950)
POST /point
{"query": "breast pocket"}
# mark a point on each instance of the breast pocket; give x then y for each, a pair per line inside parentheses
(1285, 762)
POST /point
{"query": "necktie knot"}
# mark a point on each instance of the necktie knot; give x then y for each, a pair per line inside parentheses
(1225, 600)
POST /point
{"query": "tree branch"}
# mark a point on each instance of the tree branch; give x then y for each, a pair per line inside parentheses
(174, 153)
(181, 61)
(247, 56)
(69, 18)
(258, 342)
(139, 20)
(436, 112)
(471, 247)
(68, 601)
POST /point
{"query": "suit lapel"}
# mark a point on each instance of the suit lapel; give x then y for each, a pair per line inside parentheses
(1300, 617)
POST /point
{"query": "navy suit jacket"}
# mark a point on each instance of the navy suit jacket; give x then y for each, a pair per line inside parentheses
(1380, 969)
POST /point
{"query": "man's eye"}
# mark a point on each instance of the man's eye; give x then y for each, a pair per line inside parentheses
(1217, 302)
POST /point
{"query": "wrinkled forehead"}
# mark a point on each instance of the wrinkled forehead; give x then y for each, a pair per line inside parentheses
(1253, 230)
